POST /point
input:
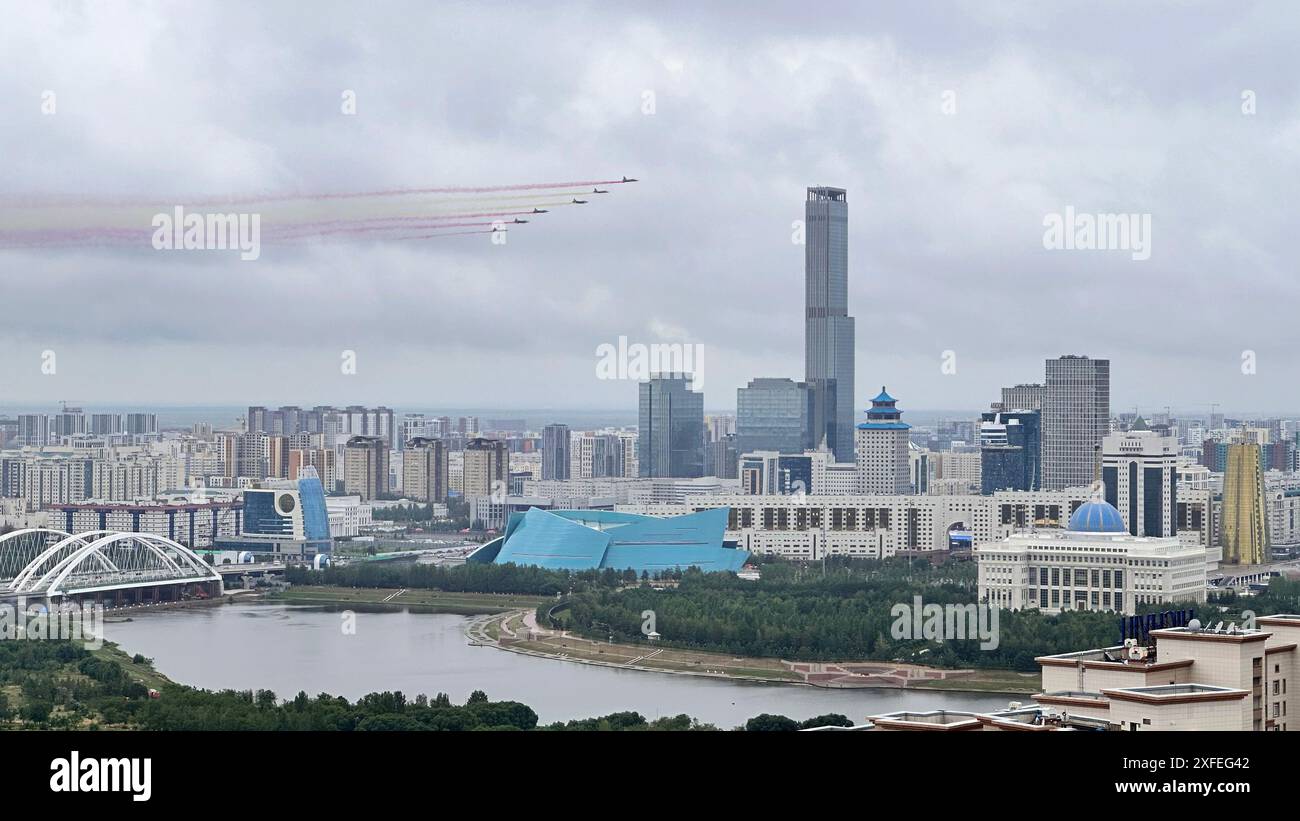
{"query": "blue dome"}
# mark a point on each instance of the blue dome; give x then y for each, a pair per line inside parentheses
(1097, 516)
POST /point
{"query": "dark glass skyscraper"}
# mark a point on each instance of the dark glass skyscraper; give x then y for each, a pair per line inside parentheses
(670, 436)
(555, 451)
(1010, 451)
(828, 328)
(774, 414)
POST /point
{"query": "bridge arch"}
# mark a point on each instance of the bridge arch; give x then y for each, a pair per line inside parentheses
(100, 559)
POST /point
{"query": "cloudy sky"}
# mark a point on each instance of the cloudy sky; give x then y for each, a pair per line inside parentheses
(955, 127)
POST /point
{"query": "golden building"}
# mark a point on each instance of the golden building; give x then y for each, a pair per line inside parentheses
(1245, 528)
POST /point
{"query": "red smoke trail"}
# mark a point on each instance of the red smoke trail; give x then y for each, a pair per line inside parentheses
(36, 201)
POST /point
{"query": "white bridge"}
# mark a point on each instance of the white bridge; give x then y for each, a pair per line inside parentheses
(102, 564)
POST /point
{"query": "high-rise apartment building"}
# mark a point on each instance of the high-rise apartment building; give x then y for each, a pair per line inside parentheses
(486, 468)
(828, 328)
(555, 451)
(103, 424)
(1076, 415)
(671, 428)
(425, 469)
(323, 460)
(1140, 472)
(882, 457)
(774, 414)
(365, 467)
(1245, 529)
(33, 430)
(142, 424)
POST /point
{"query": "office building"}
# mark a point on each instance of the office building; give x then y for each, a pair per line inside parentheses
(1245, 527)
(365, 467)
(1010, 450)
(882, 453)
(1076, 415)
(555, 451)
(1140, 474)
(285, 518)
(671, 428)
(774, 414)
(1023, 397)
(424, 470)
(828, 328)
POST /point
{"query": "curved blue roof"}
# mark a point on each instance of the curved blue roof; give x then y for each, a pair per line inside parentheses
(884, 397)
(1097, 516)
(598, 539)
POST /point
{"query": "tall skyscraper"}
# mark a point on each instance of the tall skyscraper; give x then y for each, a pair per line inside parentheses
(1245, 528)
(1140, 471)
(555, 451)
(671, 428)
(882, 457)
(774, 414)
(828, 328)
(1010, 451)
(1076, 415)
(424, 469)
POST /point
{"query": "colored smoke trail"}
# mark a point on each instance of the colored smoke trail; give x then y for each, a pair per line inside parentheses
(60, 222)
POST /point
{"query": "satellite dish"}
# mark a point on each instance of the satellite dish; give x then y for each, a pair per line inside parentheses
(1194, 624)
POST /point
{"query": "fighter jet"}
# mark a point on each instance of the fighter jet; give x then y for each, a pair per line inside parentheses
(598, 191)
(539, 211)
(520, 222)
(577, 201)
(626, 179)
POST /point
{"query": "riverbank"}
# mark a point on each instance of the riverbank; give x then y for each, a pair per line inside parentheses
(517, 632)
(430, 601)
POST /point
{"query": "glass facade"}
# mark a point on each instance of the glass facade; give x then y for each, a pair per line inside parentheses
(774, 414)
(828, 328)
(670, 441)
(1010, 451)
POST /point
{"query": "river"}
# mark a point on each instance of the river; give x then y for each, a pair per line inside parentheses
(289, 647)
